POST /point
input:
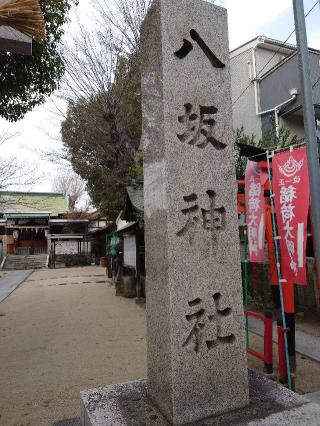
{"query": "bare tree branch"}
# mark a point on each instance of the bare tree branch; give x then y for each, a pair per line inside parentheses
(15, 174)
(124, 17)
(69, 183)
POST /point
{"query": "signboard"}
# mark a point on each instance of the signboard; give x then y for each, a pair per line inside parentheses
(129, 251)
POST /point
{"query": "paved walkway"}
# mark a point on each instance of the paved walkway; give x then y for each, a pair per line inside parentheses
(10, 282)
(306, 344)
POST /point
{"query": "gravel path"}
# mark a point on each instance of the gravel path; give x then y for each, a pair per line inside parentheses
(59, 339)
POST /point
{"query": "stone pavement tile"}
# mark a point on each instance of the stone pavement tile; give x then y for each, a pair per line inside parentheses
(10, 282)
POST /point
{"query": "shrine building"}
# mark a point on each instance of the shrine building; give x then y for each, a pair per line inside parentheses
(25, 219)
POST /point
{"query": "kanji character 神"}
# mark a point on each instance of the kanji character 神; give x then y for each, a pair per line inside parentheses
(212, 219)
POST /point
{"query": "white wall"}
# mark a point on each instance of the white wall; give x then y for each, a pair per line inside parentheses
(66, 247)
(244, 110)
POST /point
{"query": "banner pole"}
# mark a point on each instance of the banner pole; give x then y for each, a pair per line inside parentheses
(277, 252)
(246, 296)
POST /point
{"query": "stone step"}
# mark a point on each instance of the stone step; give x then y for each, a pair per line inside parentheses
(24, 262)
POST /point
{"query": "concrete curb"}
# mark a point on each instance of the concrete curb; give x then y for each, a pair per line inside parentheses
(10, 283)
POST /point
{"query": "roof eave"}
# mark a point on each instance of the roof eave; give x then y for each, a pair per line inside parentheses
(265, 43)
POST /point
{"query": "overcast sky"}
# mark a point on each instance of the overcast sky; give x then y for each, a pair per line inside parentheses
(40, 129)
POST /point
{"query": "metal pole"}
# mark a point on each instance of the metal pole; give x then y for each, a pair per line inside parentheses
(309, 122)
(246, 293)
(280, 280)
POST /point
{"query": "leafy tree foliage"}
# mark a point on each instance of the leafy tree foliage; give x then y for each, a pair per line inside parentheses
(101, 135)
(271, 140)
(102, 130)
(26, 81)
(284, 139)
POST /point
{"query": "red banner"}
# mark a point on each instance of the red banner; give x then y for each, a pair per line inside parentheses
(255, 210)
(292, 195)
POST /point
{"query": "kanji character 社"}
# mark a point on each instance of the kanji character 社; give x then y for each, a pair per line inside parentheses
(199, 335)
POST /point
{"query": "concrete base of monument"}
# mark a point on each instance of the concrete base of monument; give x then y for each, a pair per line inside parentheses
(270, 405)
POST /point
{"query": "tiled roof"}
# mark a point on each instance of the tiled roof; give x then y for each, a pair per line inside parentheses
(33, 202)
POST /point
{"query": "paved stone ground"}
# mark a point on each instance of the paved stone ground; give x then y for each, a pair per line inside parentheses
(57, 340)
(9, 282)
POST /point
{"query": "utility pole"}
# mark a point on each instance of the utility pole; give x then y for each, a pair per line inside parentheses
(309, 123)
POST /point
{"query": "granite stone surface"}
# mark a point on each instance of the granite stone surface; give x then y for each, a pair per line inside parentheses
(69, 422)
(196, 350)
(127, 405)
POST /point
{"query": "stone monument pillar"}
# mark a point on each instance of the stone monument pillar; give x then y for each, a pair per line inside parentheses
(197, 371)
(196, 351)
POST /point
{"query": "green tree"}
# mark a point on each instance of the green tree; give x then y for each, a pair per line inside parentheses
(25, 82)
(102, 129)
(270, 141)
(241, 162)
(101, 136)
(284, 139)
